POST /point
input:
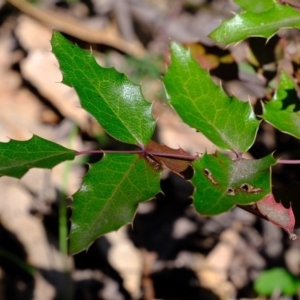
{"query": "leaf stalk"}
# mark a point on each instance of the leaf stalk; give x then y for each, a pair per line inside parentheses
(141, 152)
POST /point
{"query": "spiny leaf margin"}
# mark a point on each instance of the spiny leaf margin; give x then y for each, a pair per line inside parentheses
(109, 196)
(283, 111)
(264, 24)
(109, 96)
(205, 106)
(211, 194)
(17, 157)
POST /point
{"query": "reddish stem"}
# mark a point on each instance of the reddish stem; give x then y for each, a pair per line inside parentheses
(290, 162)
(289, 4)
(109, 151)
(167, 155)
(160, 154)
(176, 156)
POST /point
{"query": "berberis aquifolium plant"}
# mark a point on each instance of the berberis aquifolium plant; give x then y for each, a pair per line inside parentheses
(113, 187)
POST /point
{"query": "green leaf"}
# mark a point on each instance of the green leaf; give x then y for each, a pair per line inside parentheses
(264, 24)
(110, 97)
(276, 279)
(17, 157)
(283, 111)
(255, 6)
(109, 196)
(222, 182)
(227, 122)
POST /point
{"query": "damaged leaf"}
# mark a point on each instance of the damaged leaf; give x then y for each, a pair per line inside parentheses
(175, 165)
(277, 214)
(222, 182)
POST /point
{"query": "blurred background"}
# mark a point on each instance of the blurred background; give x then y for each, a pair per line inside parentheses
(170, 252)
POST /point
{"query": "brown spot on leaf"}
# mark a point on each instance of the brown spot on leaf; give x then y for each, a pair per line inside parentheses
(230, 191)
(208, 174)
(249, 189)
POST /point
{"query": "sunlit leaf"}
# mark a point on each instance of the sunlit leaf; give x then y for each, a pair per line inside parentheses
(115, 102)
(264, 24)
(227, 122)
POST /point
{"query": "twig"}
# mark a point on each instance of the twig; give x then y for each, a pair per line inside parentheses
(124, 20)
(73, 27)
(169, 155)
(288, 162)
(109, 151)
(142, 152)
(175, 156)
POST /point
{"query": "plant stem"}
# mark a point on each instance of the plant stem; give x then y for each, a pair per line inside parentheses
(289, 162)
(160, 154)
(109, 151)
(175, 156)
(170, 155)
(290, 4)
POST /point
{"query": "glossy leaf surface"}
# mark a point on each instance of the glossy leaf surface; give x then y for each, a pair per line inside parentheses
(264, 24)
(17, 157)
(227, 122)
(283, 111)
(109, 196)
(114, 101)
(222, 183)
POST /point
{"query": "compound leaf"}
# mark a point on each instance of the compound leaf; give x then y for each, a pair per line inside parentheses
(109, 196)
(17, 157)
(264, 24)
(110, 97)
(283, 111)
(222, 182)
(227, 122)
